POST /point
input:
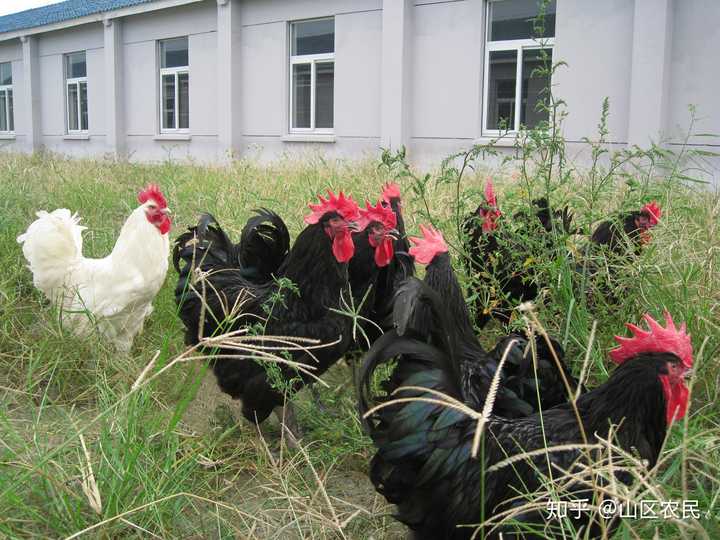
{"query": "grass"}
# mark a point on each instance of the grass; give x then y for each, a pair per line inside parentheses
(84, 451)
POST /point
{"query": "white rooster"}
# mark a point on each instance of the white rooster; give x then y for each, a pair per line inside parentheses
(114, 294)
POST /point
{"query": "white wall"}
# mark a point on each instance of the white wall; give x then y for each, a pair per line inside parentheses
(264, 76)
(695, 69)
(53, 108)
(446, 62)
(140, 82)
(358, 40)
(262, 12)
(595, 39)
(11, 51)
(695, 80)
(442, 80)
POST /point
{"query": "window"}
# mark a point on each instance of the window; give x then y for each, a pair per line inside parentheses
(174, 85)
(7, 118)
(514, 53)
(312, 76)
(76, 92)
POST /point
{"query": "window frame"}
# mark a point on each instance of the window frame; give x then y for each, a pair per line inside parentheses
(8, 90)
(313, 60)
(76, 81)
(176, 72)
(519, 46)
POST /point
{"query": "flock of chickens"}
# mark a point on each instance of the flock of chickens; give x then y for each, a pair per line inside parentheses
(425, 378)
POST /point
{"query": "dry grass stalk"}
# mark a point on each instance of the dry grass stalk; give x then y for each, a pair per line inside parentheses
(89, 485)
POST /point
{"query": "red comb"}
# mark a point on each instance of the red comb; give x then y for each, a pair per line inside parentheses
(152, 191)
(490, 197)
(654, 212)
(343, 205)
(656, 339)
(429, 245)
(390, 191)
(379, 213)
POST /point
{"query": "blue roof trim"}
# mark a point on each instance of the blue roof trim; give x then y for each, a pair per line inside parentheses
(63, 11)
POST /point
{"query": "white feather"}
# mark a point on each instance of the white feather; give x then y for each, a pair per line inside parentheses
(114, 293)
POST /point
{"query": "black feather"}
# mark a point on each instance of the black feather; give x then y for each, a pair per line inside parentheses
(215, 295)
(423, 462)
(264, 244)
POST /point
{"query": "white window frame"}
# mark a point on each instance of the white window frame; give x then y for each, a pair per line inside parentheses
(4, 90)
(313, 60)
(176, 72)
(75, 81)
(519, 46)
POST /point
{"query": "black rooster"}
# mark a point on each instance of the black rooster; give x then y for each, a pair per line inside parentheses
(424, 461)
(522, 379)
(614, 243)
(492, 253)
(400, 267)
(264, 245)
(636, 226)
(374, 251)
(380, 263)
(214, 297)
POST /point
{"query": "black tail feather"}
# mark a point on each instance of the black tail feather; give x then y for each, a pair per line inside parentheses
(207, 248)
(264, 245)
(205, 243)
(528, 380)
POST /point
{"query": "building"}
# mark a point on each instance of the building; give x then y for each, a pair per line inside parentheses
(207, 79)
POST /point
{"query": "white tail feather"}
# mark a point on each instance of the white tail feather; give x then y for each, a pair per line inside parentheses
(52, 246)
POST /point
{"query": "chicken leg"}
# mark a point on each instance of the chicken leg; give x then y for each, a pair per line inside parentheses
(288, 424)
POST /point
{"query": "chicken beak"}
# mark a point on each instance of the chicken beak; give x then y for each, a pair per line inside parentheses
(354, 226)
(166, 211)
(688, 374)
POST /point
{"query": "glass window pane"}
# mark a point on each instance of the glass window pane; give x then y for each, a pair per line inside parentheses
(501, 90)
(3, 111)
(72, 90)
(313, 37)
(514, 19)
(324, 93)
(5, 73)
(301, 95)
(184, 100)
(83, 106)
(75, 65)
(168, 101)
(174, 52)
(535, 87)
(11, 111)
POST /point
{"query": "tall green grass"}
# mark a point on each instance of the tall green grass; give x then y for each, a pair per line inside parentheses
(171, 459)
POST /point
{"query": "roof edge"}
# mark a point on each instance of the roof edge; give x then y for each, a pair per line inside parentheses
(96, 17)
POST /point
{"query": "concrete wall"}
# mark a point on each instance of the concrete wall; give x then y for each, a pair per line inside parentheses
(53, 106)
(446, 56)
(264, 72)
(11, 51)
(694, 68)
(141, 86)
(694, 79)
(407, 72)
(446, 62)
(595, 39)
